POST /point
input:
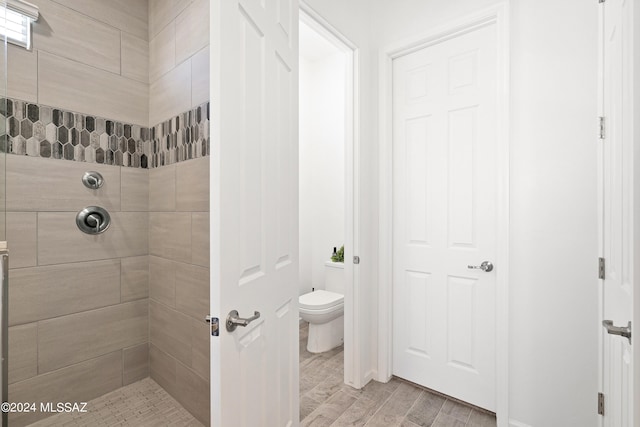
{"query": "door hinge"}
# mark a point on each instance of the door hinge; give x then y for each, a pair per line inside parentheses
(601, 127)
(356, 259)
(600, 268)
(600, 1)
(600, 404)
(215, 325)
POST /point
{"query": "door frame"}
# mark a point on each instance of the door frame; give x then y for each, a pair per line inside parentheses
(600, 206)
(499, 16)
(633, 195)
(353, 324)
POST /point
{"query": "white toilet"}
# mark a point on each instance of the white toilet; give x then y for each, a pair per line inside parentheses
(324, 310)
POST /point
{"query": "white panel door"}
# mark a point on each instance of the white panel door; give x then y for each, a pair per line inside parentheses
(254, 211)
(617, 213)
(444, 216)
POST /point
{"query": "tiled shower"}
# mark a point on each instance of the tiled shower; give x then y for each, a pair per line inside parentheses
(119, 87)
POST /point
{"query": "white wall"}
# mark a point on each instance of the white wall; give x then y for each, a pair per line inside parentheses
(396, 20)
(322, 145)
(553, 354)
(553, 213)
(636, 196)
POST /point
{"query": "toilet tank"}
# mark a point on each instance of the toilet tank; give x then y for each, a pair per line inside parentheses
(334, 277)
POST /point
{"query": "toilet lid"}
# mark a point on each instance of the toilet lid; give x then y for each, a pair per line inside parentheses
(320, 299)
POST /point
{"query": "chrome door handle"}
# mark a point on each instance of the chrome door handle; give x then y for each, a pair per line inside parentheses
(233, 320)
(486, 266)
(623, 331)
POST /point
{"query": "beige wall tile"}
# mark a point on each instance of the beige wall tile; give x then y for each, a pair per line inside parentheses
(135, 361)
(22, 239)
(134, 189)
(200, 238)
(170, 235)
(67, 33)
(23, 352)
(45, 292)
(60, 240)
(77, 383)
(200, 347)
(192, 185)
(162, 369)
(135, 58)
(192, 290)
(62, 190)
(170, 331)
(170, 94)
(93, 91)
(3, 223)
(126, 15)
(192, 29)
(134, 282)
(200, 77)
(22, 73)
(161, 12)
(162, 280)
(162, 52)
(193, 393)
(71, 339)
(162, 189)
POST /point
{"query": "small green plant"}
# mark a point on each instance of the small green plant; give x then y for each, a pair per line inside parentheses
(339, 255)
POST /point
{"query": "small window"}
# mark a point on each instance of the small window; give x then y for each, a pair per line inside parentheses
(15, 22)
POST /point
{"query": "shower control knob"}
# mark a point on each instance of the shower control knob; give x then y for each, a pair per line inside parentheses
(92, 180)
(93, 220)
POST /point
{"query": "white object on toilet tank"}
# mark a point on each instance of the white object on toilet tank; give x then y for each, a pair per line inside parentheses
(334, 277)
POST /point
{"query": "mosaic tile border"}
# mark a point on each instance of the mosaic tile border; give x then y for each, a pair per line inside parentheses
(43, 131)
(183, 137)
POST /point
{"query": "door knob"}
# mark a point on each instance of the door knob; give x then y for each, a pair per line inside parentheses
(486, 266)
(623, 331)
(233, 320)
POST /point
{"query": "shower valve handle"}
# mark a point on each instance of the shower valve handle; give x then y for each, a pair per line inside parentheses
(95, 218)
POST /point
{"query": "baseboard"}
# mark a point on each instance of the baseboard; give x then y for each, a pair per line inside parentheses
(514, 423)
(376, 376)
(369, 376)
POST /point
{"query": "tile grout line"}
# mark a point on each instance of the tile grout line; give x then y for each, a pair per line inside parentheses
(380, 407)
(414, 404)
(469, 417)
(345, 409)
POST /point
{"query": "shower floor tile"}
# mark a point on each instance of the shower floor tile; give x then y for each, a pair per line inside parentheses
(143, 403)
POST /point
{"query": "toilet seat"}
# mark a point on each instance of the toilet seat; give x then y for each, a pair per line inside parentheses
(320, 300)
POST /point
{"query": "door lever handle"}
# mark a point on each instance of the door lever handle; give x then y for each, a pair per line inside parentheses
(234, 320)
(486, 266)
(623, 331)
